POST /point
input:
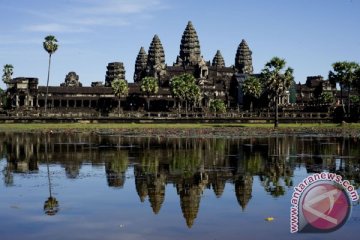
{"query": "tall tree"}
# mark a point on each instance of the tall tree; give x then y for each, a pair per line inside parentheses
(276, 80)
(344, 73)
(50, 45)
(120, 88)
(184, 88)
(149, 85)
(252, 88)
(7, 73)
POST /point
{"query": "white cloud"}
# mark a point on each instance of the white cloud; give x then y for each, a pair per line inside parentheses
(100, 21)
(55, 28)
(121, 7)
(86, 15)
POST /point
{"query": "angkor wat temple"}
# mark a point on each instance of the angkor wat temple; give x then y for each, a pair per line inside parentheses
(215, 79)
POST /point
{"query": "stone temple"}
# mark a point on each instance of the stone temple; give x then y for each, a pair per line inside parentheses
(215, 79)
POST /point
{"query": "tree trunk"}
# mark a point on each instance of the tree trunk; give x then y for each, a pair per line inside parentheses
(47, 83)
(148, 103)
(47, 164)
(276, 124)
(119, 102)
(186, 108)
(348, 102)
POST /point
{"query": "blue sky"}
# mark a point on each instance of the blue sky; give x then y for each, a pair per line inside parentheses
(309, 34)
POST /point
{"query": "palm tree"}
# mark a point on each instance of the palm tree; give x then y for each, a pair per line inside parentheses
(184, 88)
(149, 85)
(252, 88)
(344, 73)
(7, 73)
(50, 45)
(120, 88)
(276, 81)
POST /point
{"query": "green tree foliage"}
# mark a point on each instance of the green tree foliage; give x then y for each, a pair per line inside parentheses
(50, 45)
(149, 85)
(184, 88)
(326, 97)
(7, 73)
(120, 88)
(345, 73)
(252, 88)
(356, 83)
(217, 106)
(51, 206)
(276, 80)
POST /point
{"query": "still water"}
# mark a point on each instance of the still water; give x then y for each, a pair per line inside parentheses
(98, 186)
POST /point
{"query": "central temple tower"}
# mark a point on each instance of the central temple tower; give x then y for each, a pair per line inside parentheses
(190, 54)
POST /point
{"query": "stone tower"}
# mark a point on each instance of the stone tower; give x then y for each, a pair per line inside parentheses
(218, 60)
(156, 59)
(71, 80)
(114, 70)
(140, 65)
(190, 54)
(243, 59)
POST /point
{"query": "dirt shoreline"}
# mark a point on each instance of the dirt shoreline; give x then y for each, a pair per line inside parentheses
(211, 132)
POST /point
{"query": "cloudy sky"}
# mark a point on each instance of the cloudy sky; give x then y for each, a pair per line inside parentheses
(309, 34)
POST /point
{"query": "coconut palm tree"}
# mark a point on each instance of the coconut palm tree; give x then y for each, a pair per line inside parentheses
(276, 81)
(252, 88)
(149, 85)
(50, 45)
(120, 88)
(344, 73)
(7, 73)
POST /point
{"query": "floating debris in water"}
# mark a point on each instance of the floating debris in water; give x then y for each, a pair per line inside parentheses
(269, 219)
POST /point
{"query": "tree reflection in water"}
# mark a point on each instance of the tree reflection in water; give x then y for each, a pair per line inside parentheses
(51, 205)
(190, 165)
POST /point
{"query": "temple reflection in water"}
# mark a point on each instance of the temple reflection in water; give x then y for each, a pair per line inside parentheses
(189, 165)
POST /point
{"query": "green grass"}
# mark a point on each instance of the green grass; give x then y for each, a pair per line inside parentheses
(94, 126)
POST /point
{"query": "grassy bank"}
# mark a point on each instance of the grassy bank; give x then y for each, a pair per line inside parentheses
(138, 126)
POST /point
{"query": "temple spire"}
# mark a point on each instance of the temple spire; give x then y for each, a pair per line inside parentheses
(115, 70)
(243, 59)
(140, 65)
(190, 53)
(156, 58)
(218, 60)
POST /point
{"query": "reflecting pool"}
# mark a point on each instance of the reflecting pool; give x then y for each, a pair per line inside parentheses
(99, 186)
